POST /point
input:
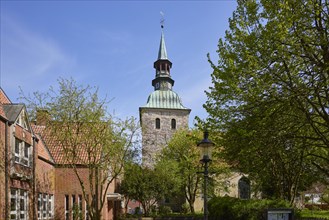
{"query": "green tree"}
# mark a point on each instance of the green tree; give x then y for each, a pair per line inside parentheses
(183, 155)
(87, 137)
(148, 186)
(270, 93)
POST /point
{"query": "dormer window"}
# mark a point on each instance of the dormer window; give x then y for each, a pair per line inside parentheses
(173, 124)
(157, 123)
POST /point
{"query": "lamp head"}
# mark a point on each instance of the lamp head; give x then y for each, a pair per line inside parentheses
(205, 146)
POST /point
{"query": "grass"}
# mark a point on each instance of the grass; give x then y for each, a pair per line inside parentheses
(315, 214)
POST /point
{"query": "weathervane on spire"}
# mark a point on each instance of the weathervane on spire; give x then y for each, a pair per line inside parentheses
(162, 20)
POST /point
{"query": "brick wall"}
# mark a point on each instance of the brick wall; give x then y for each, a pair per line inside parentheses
(67, 183)
(2, 169)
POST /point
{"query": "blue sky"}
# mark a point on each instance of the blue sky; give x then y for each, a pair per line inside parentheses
(111, 45)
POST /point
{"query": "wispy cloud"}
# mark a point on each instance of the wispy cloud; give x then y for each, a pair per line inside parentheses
(26, 54)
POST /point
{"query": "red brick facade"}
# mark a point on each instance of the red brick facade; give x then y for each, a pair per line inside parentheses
(33, 179)
(2, 165)
(16, 168)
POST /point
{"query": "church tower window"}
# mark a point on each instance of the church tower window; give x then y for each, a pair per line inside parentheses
(173, 124)
(157, 123)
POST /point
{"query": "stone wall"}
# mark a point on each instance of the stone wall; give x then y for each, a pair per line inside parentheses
(154, 139)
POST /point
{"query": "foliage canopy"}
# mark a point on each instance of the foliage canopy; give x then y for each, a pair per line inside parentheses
(270, 94)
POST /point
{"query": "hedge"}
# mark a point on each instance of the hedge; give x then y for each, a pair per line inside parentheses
(224, 208)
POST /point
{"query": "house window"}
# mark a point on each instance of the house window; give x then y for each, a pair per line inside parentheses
(50, 206)
(157, 123)
(39, 205)
(80, 206)
(22, 152)
(45, 206)
(173, 124)
(74, 207)
(86, 208)
(18, 204)
(67, 207)
(26, 154)
(22, 120)
(244, 188)
(17, 150)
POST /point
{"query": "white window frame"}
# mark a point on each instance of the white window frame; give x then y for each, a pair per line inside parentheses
(86, 209)
(73, 205)
(67, 207)
(22, 120)
(40, 206)
(44, 206)
(19, 195)
(17, 147)
(80, 206)
(50, 206)
(20, 157)
(25, 154)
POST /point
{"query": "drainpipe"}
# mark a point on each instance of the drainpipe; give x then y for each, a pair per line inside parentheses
(33, 178)
(6, 172)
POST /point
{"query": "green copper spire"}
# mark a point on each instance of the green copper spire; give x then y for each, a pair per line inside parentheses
(162, 49)
(163, 80)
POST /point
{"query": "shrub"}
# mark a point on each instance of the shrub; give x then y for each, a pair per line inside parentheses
(185, 208)
(236, 209)
(164, 210)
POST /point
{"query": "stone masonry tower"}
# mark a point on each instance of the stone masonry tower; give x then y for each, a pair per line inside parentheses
(164, 112)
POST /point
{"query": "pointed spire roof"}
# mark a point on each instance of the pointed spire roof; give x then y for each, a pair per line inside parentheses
(162, 55)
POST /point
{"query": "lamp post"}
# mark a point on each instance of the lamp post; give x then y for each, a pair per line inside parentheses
(206, 147)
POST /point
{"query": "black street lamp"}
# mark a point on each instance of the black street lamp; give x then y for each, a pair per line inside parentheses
(206, 146)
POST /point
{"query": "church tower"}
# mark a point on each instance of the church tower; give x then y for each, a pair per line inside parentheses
(164, 112)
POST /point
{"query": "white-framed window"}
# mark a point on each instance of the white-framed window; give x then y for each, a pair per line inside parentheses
(22, 120)
(74, 207)
(86, 208)
(39, 205)
(22, 152)
(26, 154)
(17, 150)
(67, 207)
(80, 206)
(45, 206)
(50, 206)
(19, 204)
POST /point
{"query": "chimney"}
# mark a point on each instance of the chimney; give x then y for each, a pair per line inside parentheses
(43, 117)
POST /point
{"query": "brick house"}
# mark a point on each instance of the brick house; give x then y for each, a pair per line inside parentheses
(35, 180)
(17, 144)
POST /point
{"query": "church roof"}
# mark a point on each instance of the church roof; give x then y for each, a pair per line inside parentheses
(162, 55)
(164, 99)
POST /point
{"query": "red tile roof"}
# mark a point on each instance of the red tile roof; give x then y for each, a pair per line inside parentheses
(43, 151)
(4, 98)
(2, 112)
(59, 153)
